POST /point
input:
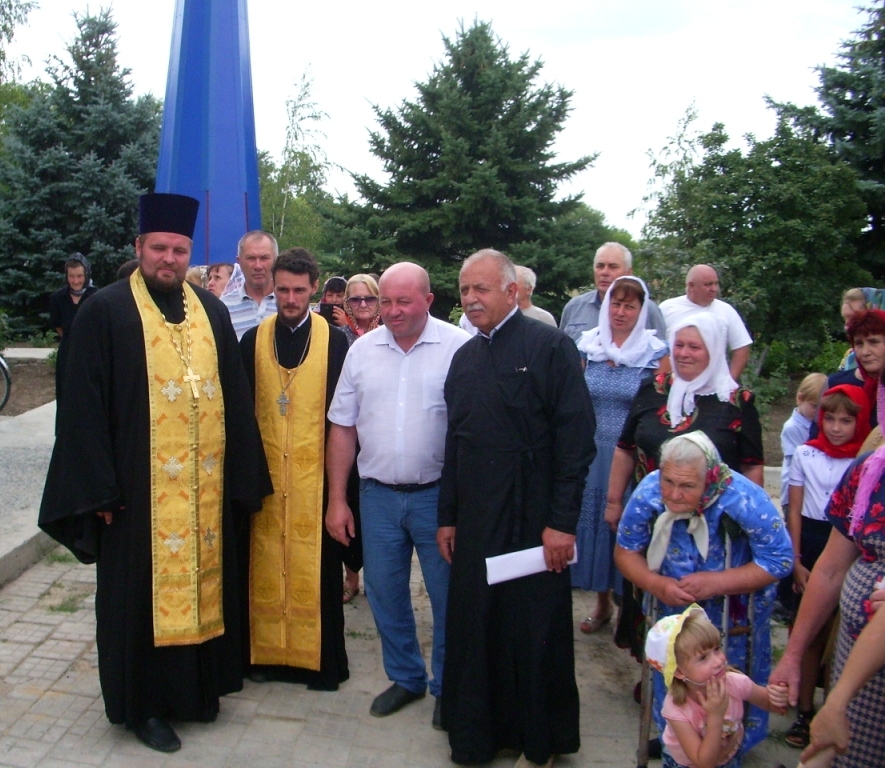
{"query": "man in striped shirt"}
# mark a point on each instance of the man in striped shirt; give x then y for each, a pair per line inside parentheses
(251, 302)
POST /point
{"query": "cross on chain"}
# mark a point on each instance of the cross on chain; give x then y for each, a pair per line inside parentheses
(193, 378)
(283, 401)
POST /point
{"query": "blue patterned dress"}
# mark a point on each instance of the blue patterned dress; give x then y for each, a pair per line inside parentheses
(766, 543)
(612, 389)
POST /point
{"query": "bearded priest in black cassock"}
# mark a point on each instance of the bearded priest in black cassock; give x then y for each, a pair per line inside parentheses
(296, 616)
(520, 440)
(157, 456)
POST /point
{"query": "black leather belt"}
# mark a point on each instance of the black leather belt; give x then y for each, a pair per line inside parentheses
(409, 487)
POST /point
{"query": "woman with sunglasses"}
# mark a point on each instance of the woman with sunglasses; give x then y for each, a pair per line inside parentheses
(360, 307)
(361, 315)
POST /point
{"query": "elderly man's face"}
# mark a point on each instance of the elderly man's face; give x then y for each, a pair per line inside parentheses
(255, 260)
(163, 258)
(608, 267)
(486, 303)
(682, 486)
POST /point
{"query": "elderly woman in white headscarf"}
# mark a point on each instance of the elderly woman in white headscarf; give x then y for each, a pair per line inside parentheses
(699, 394)
(620, 354)
(673, 543)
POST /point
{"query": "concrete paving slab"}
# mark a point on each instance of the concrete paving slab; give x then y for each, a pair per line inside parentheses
(25, 447)
(52, 714)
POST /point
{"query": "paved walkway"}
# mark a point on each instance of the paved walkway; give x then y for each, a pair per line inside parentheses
(52, 714)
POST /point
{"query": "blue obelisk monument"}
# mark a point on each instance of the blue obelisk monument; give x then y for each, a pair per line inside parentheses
(207, 144)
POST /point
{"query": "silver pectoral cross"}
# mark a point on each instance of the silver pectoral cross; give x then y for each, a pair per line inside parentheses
(282, 401)
(193, 379)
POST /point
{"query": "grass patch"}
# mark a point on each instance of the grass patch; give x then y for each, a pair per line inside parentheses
(71, 604)
(60, 556)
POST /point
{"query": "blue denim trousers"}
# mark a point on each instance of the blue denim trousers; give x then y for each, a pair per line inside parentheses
(393, 524)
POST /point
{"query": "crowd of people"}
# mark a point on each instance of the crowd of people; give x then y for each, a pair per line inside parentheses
(237, 455)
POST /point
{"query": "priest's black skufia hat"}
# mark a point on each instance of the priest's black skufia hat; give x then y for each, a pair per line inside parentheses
(167, 212)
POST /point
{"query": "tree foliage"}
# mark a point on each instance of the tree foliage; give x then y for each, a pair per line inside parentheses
(779, 221)
(13, 13)
(851, 118)
(470, 164)
(76, 157)
(292, 190)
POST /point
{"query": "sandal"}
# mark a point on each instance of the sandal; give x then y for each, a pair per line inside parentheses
(594, 623)
(350, 593)
(799, 733)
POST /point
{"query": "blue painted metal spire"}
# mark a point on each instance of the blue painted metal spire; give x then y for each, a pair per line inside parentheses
(207, 145)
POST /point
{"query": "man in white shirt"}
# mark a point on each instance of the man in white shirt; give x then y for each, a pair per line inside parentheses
(701, 290)
(253, 301)
(390, 398)
(526, 280)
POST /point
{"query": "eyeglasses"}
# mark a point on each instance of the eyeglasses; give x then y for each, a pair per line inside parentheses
(369, 301)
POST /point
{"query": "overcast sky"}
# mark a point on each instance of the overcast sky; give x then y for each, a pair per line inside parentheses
(635, 66)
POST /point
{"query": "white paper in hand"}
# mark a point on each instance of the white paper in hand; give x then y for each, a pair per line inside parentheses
(514, 565)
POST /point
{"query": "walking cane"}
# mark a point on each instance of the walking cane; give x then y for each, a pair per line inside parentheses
(646, 700)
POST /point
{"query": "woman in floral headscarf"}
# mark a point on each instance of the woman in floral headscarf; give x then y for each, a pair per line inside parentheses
(848, 573)
(672, 543)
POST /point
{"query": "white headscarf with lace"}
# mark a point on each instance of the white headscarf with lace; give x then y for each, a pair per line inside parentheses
(714, 379)
(639, 349)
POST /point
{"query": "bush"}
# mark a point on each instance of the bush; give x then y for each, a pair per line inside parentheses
(829, 358)
(766, 388)
(43, 340)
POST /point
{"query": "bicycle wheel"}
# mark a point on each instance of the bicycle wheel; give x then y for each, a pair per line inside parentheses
(5, 383)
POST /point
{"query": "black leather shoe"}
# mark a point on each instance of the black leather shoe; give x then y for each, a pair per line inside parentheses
(393, 700)
(157, 734)
(437, 715)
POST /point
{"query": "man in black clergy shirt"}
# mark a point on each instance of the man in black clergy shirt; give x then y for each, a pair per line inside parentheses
(293, 360)
(157, 456)
(519, 442)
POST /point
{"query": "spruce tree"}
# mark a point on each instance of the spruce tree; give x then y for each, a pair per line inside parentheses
(851, 118)
(470, 165)
(76, 157)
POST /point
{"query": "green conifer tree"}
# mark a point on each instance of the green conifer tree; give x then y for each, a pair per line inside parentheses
(470, 164)
(76, 157)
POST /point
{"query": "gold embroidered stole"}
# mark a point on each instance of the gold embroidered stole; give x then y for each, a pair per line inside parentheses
(284, 578)
(187, 460)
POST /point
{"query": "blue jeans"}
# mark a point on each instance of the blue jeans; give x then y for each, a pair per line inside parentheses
(393, 524)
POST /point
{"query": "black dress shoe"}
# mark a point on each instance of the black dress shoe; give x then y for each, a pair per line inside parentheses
(393, 700)
(157, 734)
(437, 715)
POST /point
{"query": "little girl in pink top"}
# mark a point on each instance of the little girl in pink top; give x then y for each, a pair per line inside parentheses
(704, 707)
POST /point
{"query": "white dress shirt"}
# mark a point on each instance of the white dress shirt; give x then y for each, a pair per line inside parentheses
(395, 401)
